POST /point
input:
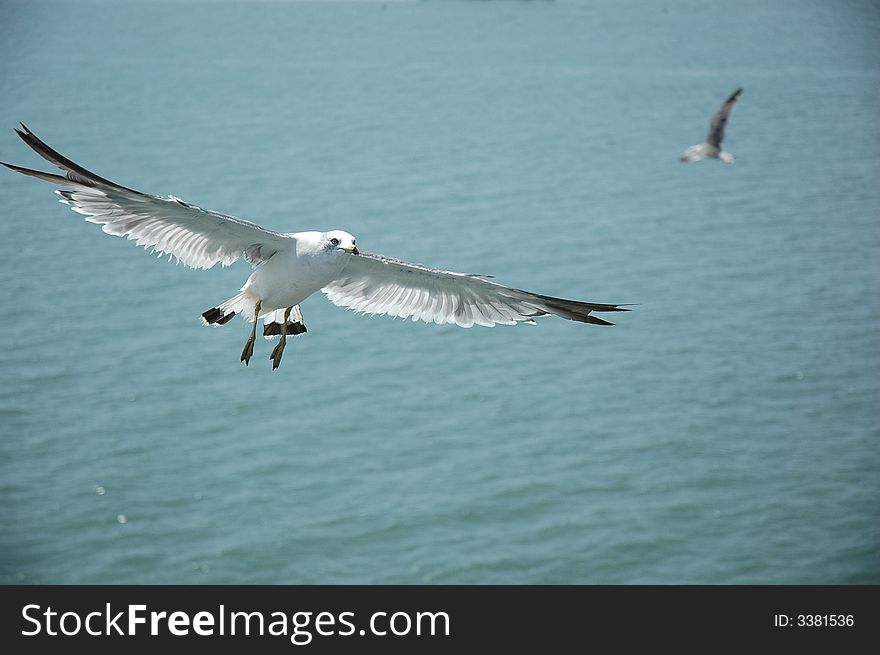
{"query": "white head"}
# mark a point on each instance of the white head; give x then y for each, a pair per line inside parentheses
(338, 240)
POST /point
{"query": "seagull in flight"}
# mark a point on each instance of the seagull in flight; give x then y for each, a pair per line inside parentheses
(712, 147)
(291, 266)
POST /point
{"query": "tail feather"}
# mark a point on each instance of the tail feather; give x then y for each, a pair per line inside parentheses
(274, 329)
(215, 316)
(225, 312)
(272, 323)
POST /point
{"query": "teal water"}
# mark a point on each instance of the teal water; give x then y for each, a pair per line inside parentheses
(726, 431)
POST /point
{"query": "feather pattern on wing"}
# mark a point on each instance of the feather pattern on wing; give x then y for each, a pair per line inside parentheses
(197, 237)
(374, 284)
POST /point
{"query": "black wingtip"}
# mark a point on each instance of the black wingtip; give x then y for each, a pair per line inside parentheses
(25, 133)
(75, 172)
(596, 307)
(13, 167)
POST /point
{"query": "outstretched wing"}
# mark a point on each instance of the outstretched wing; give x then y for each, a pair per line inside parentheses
(199, 238)
(719, 120)
(374, 284)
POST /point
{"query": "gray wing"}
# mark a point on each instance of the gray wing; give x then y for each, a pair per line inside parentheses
(374, 284)
(199, 238)
(719, 120)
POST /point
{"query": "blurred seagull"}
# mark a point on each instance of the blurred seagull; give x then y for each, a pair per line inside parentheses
(290, 267)
(712, 147)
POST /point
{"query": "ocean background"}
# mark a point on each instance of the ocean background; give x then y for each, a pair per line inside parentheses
(726, 431)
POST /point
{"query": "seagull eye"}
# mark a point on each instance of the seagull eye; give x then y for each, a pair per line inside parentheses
(334, 241)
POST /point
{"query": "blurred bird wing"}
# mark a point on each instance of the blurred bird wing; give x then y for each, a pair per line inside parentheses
(719, 120)
(695, 153)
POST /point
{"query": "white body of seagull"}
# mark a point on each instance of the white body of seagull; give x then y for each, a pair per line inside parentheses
(292, 266)
(712, 147)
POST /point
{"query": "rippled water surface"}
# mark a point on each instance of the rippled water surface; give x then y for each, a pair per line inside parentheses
(725, 431)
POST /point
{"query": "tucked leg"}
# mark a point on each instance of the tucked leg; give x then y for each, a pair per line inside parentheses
(279, 349)
(248, 351)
